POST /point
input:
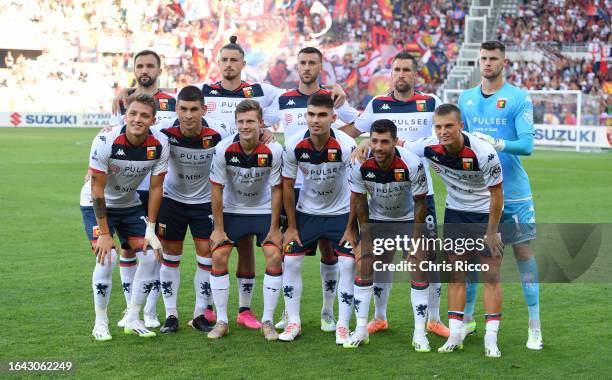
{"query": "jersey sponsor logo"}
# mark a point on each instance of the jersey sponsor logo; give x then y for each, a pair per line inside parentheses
(421, 105)
(290, 102)
(211, 106)
(385, 107)
(262, 160)
(248, 92)
(528, 116)
(120, 152)
(370, 175)
(468, 163)
(501, 103)
(305, 156)
(489, 120)
(332, 155)
(399, 174)
(288, 118)
(163, 104)
(151, 152)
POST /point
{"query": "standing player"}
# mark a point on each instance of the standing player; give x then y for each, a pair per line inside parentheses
(502, 114)
(289, 108)
(147, 69)
(246, 200)
(392, 177)
(186, 203)
(322, 210)
(119, 161)
(411, 112)
(472, 174)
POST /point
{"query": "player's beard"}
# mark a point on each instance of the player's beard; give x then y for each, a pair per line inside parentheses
(313, 79)
(494, 75)
(146, 81)
(402, 87)
(229, 76)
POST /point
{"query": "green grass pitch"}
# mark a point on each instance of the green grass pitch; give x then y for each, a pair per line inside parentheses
(46, 303)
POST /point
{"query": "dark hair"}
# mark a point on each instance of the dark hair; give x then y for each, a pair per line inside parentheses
(145, 99)
(321, 100)
(312, 50)
(447, 109)
(493, 45)
(249, 105)
(148, 52)
(384, 126)
(233, 45)
(406, 55)
(190, 94)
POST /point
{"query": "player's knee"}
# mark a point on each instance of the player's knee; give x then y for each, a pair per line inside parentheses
(274, 259)
(346, 264)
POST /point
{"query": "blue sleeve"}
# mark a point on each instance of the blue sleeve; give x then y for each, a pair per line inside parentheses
(523, 123)
(460, 102)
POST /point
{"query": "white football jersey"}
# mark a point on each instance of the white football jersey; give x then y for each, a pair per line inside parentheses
(392, 190)
(413, 118)
(468, 175)
(190, 160)
(221, 103)
(247, 178)
(325, 190)
(125, 165)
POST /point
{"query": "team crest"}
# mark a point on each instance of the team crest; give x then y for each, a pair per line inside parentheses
(421, 105)
(399, 175)
(332, 155)
(163, 104)
(151, 152)
(95, 231)
(248, 92)
(161, 229)
(206, 142)
(501, 102)
(468, 164)
(262, 160)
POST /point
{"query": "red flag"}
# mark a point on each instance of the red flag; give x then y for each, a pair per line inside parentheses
(198, 62)
(351, 80)
(340, 8)
(603, 62)
(380, 36)
(385, 9)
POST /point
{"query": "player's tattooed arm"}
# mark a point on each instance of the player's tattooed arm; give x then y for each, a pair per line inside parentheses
(104, 242)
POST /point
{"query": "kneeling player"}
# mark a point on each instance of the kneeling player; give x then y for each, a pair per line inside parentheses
(246, 200)
(119, 161)
(186, 203)
(393, 177)
(322, 211)
(472, 173)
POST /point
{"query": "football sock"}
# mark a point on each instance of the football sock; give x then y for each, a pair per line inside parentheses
(151, 303)
(102, 283)
(455, 324)
(419, 295)
(170, 278)
(433, 301)
(292, 286)
(127, 270)
(345, 290)
(363, 296)
(246, 283)
(272, 284)
(144, 280)
(491, 327)
(528, 271)
(381, 298)
(201, 285)
(219, 283)
(329, 282)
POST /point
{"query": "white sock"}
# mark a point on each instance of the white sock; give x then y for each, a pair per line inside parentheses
(419, 294)
(345, 290)
(151, 303)
(363, 296)
(144, 280)
(329, 282)
(381, 298)
(455, 324)
(272, 285)
(102, 284)
(201, 285)
(292, 286)
(433, 302)
(492, 326)
(246, 284)
(170, 278)
(220, 292)
(127, 270)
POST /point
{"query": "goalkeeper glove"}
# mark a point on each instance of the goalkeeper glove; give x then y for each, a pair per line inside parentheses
(498, 144)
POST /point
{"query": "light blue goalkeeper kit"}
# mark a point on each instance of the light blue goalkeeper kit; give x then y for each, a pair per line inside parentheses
(508, 115)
